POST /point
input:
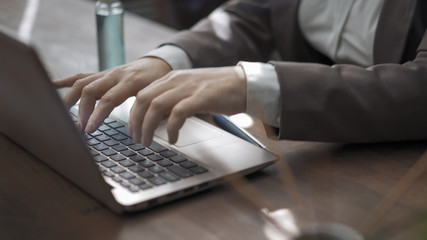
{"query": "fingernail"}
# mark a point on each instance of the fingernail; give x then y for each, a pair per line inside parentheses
(144, 142)
(172, 140)
(90, 127)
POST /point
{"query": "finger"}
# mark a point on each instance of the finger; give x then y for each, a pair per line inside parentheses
(180, 112)
(140, 106)
(111, 99)
(90, 93)
(73, 95)
(69, 81)
(137, 113)
(136, 116)
(86, 106)
(159, 108)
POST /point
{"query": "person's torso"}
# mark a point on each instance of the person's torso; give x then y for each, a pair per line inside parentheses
(343, 30)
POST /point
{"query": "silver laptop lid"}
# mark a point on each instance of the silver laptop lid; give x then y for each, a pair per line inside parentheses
(34, 116)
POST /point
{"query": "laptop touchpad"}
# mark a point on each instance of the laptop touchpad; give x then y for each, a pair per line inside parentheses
(191, 132)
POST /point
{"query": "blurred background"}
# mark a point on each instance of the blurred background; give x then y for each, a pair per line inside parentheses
(178, 14)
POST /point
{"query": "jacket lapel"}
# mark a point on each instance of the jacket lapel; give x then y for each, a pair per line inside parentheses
(392, 30)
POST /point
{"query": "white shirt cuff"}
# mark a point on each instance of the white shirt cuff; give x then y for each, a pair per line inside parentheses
(173, 55)
(263, 92)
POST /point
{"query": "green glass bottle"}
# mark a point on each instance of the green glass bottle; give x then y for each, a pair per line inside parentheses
(109, 27)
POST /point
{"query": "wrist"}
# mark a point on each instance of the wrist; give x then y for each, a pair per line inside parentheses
(157, 63)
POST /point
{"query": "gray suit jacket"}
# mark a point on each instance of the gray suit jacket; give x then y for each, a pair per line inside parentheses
(324, 101)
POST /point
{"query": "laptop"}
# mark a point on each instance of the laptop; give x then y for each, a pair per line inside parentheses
(106, 164)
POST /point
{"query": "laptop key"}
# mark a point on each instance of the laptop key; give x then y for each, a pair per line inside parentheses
(164, 163)
(178, 158)
(92, 141)
(127, 163)
(145, 152)
(118, 157)
(128, 153)
(120, 148)
(180, 171)
(96, 133)
(157, 180)
(109, 120)
(137, 181)
(103, 128)
(144, 186)
(108, 152)
(154, 157)
(120, 137)
(198, 170)
(117, 179)
(137, 158)
(157, 147)
(115, 124)
(100, 158)
(146, 163)
(127, 141)
(111, 142)
(156, 169)
(136, 168)
(100, 147)
(125, 184)
(136, 147)
(169, 176)
(111, 132)
(134, 189)
(103, 137)
(123, 129)
(108, 174)
(108, 164)
(118, 169)
(145, 174)
(187, 164)
(168, 153)
(126, 175)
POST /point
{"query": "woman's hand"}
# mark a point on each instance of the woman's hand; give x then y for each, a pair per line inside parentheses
(112, 87)
(183, 93)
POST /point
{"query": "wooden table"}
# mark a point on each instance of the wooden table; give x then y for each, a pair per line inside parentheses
(325, 182)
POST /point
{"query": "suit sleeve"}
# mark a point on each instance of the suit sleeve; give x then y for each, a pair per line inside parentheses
(237, 31)
(346, 103)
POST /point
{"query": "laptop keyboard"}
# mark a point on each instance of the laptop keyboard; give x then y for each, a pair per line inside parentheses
(133, 166)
